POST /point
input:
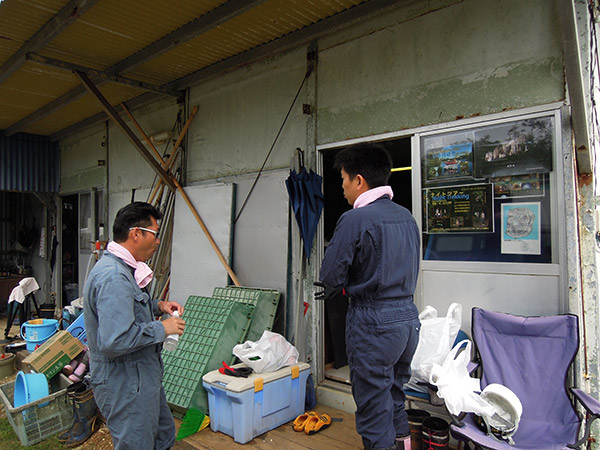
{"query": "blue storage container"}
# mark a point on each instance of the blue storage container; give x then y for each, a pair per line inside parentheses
(244, 408)
(77, 329)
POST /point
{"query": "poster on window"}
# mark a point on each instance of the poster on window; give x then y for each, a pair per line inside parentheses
(516, 148)
(521, 228)
(450, 162)
(519, 186)
(460, 209)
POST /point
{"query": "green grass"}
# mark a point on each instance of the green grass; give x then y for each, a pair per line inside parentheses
(10, 441)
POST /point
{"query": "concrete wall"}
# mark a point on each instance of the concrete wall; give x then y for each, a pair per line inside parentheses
(471, 58)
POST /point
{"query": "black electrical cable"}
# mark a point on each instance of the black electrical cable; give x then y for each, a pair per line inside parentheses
(272, 146)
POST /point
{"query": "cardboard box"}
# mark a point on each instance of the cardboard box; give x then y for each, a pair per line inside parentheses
(54, 354)
(244, 408)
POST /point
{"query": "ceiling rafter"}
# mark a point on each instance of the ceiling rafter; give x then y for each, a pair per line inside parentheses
(202, 24)
(65, 17)
(291, 40)
(51, 62)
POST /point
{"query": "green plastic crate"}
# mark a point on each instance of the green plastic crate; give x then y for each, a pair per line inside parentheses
(212, 328)
(265, 302)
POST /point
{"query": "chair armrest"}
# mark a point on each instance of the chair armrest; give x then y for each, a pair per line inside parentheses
(457, 420)
(589, 403)
(472, 366)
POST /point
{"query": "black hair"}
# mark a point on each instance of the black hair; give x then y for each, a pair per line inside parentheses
(370, 160)
(136, 214)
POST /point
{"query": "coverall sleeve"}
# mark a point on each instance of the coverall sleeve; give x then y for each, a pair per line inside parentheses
(125, 320)
(338, 256)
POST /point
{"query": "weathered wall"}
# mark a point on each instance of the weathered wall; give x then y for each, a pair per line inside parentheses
(470, 58)
(240, 114)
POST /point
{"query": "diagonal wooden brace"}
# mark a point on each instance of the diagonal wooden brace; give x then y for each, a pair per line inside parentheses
(185, 196)
(112, 113)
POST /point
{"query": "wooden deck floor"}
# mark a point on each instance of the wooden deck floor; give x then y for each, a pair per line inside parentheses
(339, 435)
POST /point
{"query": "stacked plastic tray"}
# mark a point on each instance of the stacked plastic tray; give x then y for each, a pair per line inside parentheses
(264, 301)
(213, 327)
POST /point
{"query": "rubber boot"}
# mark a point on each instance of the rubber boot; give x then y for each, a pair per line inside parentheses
(87, 419)
(72, 390)
(403, 443)
(84, 413)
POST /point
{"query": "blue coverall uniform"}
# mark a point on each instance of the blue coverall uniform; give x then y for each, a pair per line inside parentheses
(125, 342)
(374, 255)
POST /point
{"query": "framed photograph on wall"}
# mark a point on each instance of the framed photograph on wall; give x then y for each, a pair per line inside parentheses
(514, 148)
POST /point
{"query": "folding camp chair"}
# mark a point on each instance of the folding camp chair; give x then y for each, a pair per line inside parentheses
(531, 356)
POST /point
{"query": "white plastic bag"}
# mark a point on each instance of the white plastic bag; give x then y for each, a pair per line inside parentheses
(458, 389)
(435, 340)
(271, 352)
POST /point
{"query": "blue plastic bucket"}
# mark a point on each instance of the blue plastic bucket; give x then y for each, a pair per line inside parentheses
(30, 387)
(37, 334)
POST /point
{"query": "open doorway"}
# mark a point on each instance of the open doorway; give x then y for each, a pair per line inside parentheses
(335, 363)
(70, 248)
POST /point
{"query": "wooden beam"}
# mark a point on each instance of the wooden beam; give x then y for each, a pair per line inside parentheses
(112, 113)
(102, 75)
(65, 17)
(184, 195)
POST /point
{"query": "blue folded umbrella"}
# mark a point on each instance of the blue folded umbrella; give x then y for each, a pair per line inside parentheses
(306, 198)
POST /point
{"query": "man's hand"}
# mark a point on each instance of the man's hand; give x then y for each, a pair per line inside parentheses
(173, 325)
(169, 307)
(328, 292)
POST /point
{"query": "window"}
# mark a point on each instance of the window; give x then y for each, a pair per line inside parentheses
(487, 192)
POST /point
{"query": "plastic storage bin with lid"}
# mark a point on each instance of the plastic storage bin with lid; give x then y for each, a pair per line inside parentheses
(244, 408)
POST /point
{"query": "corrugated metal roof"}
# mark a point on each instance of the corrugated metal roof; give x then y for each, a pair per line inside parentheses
(147, 41)
(28, 164)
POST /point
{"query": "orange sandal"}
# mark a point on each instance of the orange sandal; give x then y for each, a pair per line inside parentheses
(317, 423)
(302, 420)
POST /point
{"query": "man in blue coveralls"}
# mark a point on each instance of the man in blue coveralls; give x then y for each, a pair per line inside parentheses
(373, 258)
(124, 338)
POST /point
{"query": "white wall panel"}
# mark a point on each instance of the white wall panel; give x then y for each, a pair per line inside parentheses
(520, 294)
(195, 267)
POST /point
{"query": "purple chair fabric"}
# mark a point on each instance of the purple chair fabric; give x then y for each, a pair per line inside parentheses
(530, 356)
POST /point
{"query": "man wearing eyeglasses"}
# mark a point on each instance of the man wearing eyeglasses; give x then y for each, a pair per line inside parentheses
(124, 338)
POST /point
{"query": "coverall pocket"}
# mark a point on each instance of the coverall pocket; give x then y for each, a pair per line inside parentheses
(142, 298)
(134, 377)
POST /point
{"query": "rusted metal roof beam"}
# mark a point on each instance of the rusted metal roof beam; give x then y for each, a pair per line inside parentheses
(65, 17)
(112, 113)
(102, 75)
(208, 21)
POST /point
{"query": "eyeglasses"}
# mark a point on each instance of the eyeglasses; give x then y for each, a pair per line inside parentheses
(154, 232)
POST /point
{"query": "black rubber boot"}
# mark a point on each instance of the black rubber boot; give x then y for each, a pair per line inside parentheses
(72, 390)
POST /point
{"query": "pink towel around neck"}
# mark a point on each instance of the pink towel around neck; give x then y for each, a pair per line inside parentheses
(371, 195)
(143, 273)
